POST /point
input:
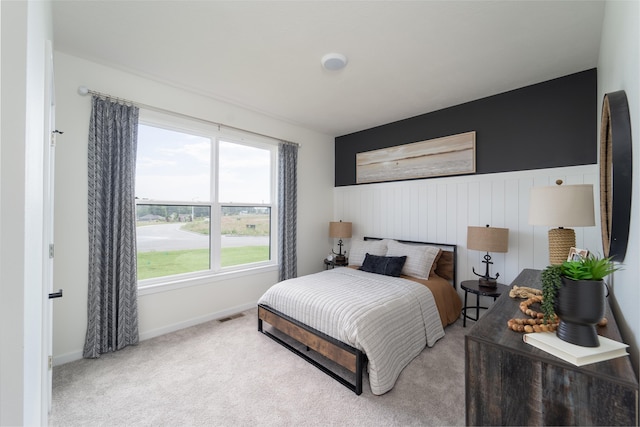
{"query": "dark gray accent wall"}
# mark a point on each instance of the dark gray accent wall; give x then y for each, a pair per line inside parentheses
(549, 124)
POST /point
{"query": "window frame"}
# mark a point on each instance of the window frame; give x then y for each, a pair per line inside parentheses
(215, 133)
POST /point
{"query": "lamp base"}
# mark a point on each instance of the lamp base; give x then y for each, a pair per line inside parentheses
(561, 240)
(340, 260)
(487, 283)
(485, 280)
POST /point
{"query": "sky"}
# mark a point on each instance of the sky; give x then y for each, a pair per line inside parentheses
(175, 166)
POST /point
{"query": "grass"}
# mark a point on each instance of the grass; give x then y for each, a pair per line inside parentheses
(167, 263)
(234, 225)
(245, 225)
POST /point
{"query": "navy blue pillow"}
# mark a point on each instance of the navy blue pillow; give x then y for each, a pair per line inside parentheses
(387, 265)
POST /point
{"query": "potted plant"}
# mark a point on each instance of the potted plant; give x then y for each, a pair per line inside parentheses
(574, 291)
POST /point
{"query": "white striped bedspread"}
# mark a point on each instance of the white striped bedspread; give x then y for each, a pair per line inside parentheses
(391, 319)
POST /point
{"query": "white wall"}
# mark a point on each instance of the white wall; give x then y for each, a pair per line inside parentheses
(618, 69)
(440, 209)
(170, 310)
(25, 28)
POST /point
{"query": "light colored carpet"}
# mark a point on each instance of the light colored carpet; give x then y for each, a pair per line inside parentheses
(228, 374)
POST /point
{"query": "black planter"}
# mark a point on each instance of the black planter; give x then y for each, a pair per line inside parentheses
(580, 305)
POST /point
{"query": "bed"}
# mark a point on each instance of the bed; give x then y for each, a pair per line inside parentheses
(394, 299)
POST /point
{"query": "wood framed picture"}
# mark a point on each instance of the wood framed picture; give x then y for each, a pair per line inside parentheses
(449, 155)
(576, 254)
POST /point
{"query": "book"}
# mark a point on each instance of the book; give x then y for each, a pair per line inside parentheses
(575, 354)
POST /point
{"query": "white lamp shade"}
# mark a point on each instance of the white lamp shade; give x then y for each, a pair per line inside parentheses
(562, 206)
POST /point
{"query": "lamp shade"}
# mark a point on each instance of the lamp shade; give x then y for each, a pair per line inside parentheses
(488, 239)
(562, 206)
(340, 230)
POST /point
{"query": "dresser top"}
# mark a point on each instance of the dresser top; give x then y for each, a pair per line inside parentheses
(492, 329)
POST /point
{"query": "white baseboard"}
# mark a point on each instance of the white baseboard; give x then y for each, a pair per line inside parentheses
(66, 358)
(196, 321)
(77, 355)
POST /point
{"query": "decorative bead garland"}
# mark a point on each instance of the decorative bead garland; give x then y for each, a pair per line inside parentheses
(536, 323)
(532, 325)
(524, 307)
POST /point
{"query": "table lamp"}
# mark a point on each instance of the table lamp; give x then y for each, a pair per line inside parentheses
(562, 206)
(487, 239)
(340, 230)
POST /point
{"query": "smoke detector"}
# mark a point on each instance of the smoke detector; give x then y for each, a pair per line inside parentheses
(334, 61)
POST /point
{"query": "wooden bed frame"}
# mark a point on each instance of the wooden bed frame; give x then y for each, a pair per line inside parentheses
(344, 355)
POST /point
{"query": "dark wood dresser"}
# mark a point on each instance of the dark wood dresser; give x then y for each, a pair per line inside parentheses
(509, 382)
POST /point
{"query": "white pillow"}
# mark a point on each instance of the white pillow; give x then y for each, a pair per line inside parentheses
(359, 248)
(419, 258)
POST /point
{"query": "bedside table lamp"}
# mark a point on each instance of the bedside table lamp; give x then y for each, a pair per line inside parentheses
(487, 239)
(562, 206)
(340, 230)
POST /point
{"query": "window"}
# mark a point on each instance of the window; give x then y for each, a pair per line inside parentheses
(204, 200)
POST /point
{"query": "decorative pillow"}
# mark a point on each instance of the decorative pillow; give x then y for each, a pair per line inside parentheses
(420, 258)
(444, 268)
(359, 248)
(434, 266)
(387, 265)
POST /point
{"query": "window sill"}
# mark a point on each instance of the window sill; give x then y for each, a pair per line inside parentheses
(202, 280)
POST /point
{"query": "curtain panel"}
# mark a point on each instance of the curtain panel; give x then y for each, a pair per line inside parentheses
(112, 285)
(288, 210)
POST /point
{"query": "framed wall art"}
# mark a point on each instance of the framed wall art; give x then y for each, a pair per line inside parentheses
(449, 155)
(616, 171)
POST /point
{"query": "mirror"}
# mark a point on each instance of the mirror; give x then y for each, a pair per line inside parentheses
(615, 174)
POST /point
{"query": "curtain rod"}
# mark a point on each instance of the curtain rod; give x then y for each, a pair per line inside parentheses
(83, 91)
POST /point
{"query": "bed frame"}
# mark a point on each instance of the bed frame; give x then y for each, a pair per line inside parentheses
(344, 355)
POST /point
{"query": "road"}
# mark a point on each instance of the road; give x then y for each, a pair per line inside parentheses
(168, 237)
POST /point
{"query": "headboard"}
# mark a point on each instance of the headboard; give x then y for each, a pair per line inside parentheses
(447, 263)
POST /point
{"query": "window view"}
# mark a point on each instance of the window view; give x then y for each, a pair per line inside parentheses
(172, 239)
(245, 174)
(203, 202)
(245, 233)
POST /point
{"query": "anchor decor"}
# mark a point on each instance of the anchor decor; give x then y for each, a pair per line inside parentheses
(487, 239)
(340, 230)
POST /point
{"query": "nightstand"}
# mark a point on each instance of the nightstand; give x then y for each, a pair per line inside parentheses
(331, 264)
(474, 287)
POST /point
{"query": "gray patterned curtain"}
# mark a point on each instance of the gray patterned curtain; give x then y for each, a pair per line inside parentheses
(113, 293)
(288, 209)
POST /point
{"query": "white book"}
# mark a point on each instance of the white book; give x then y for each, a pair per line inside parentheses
(576, 354)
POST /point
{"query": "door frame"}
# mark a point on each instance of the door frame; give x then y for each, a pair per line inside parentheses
(49, 139)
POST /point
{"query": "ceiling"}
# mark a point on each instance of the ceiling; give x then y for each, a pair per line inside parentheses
(405, 58)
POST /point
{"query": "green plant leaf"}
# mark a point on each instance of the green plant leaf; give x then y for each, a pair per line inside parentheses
(551, 278)
(589, 268)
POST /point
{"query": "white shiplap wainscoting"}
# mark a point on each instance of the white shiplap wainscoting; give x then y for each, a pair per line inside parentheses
(440, 209)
